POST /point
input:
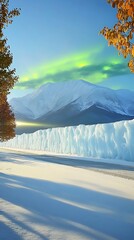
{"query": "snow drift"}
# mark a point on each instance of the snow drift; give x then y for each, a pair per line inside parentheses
(112, 140)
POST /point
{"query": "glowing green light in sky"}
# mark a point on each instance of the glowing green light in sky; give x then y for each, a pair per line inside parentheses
(106, 68)
(65, 64)
(88, 65)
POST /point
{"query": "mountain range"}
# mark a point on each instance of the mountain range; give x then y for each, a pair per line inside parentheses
(72, 103)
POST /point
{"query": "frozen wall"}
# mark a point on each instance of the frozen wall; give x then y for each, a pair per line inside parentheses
(112, 140)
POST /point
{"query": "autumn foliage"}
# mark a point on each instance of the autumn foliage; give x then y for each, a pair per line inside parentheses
(121, 35)
(7, 75)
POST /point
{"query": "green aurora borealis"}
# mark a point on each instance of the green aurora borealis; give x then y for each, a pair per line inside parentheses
(89, 66)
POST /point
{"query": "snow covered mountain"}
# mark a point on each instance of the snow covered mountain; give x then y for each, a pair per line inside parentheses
(73, 103)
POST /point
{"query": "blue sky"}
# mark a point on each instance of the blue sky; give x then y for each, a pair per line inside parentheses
(58, 40)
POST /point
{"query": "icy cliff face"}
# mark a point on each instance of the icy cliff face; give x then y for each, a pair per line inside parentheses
(112, 140)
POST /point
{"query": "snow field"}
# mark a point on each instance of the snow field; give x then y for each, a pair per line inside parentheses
(47, 201)
(112, 140)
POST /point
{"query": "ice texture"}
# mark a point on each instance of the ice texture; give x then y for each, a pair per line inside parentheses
(111, 140)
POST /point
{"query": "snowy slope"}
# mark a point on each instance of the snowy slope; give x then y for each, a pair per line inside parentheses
(107, 141)
(45, 201)
(70, 104)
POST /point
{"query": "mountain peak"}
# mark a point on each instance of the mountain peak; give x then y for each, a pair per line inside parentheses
(74, 102)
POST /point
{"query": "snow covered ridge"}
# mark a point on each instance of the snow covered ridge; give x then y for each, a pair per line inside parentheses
(112, 140)
(73, 103)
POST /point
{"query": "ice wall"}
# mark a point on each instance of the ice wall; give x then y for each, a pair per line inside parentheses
(112, 140)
